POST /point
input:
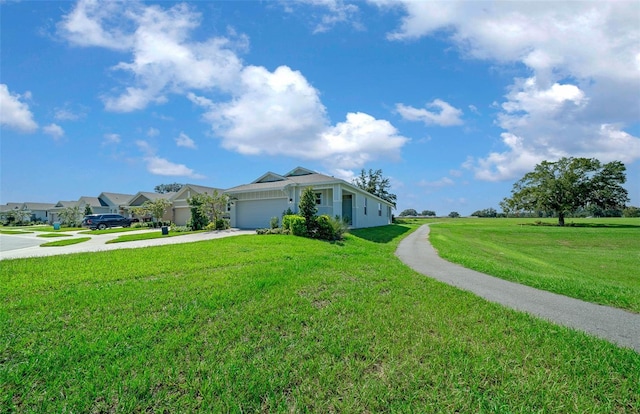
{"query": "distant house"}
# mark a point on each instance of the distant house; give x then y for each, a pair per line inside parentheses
(97, 206)
(39, 211)
(115, 202)
(253, 205)
(54, 212)
(181, 208)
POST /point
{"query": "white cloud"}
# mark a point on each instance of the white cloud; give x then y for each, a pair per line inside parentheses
(15, 114)
(164, 60)
(54, 130)
(184, 140)
(161, 166)
(445, 114)
(582, 57)
(152, 132)
(337, 11)
(290, 118)
(67, 114)
(111, 139)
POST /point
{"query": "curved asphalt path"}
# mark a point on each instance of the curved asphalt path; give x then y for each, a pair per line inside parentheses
(615, 325)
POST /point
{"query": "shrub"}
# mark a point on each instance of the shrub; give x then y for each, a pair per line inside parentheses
(210, 227)
(222, 224)
(286, 221)
(274, 223)
(297, 225)
(329, 228)
(180, 229)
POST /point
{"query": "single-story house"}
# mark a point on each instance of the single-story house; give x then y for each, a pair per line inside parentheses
(54, 212)
(253, 205)
(39, 211)
(115, 202)
(181, 208)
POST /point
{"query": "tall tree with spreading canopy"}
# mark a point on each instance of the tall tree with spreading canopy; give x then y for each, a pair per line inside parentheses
(570, 183)
(373, 182)
(168, 188)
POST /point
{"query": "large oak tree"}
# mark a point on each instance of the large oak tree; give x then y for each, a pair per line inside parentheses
(570, 183)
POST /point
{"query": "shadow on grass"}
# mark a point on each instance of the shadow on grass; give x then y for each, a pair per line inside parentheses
(382, 234)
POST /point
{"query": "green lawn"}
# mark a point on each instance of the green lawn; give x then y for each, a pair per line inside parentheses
(284, 324)
(596, 260)
(66, 242)
(156, 234)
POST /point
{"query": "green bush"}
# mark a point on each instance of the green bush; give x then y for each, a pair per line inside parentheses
(286, 221)
(222, 224)
(329, 228)
(210, 227)
(297, 225)
(274, 223)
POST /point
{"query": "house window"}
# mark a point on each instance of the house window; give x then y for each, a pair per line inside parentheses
(365, 206)
(319, 199)
(379, 209)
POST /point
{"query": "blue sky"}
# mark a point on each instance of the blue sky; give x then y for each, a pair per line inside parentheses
(454, 101)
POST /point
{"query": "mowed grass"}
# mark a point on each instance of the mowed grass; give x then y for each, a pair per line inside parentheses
(596, 260)
(66, 242)
(284, 324)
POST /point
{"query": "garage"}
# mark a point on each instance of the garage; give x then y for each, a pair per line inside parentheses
(181, 215)
(256, 214)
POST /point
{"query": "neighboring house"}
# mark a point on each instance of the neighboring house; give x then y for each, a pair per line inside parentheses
(54, 212)
(253, 205)
(39, 211)
(181, 209)
(139, 199)
(97, 206)
(115, 202)
(6, 208)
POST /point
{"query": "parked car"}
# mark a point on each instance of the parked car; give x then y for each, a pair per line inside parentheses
(102, 221)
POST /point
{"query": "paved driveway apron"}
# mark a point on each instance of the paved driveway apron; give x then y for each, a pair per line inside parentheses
(615, 325)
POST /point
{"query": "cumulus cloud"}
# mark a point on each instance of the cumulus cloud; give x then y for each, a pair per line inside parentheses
(577, 100)
(54, 130)
(161, 166)
(164, 59)
(15, 114)
(184, 140)
(290, 118)
(444, 114)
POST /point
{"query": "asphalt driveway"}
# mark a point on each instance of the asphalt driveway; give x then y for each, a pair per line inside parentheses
(615, 325)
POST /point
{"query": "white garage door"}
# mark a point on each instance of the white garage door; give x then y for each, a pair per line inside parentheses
(181, 216)
(256, 214)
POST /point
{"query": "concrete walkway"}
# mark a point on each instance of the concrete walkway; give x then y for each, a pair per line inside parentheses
(97, 242)
(615, 325)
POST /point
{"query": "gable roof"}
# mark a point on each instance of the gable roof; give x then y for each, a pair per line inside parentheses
(38, 206)
(299, 176)
(91, 201)
(142, 196)
(198, 189)
(116, 198)
(11, 206)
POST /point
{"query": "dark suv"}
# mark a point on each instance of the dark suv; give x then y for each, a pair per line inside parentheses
(102, 221)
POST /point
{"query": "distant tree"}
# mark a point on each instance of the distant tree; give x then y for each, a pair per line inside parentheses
(564, 186)
(428, 213)
(631, 212)
(307, 207)
(199, 217)
(168, 188)
(207, 207)
(408, 212)
(17, 216)
(87, 210)
(71, 216)
(487, 212)
(373, 182)
(454, 214)
(157, 208)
